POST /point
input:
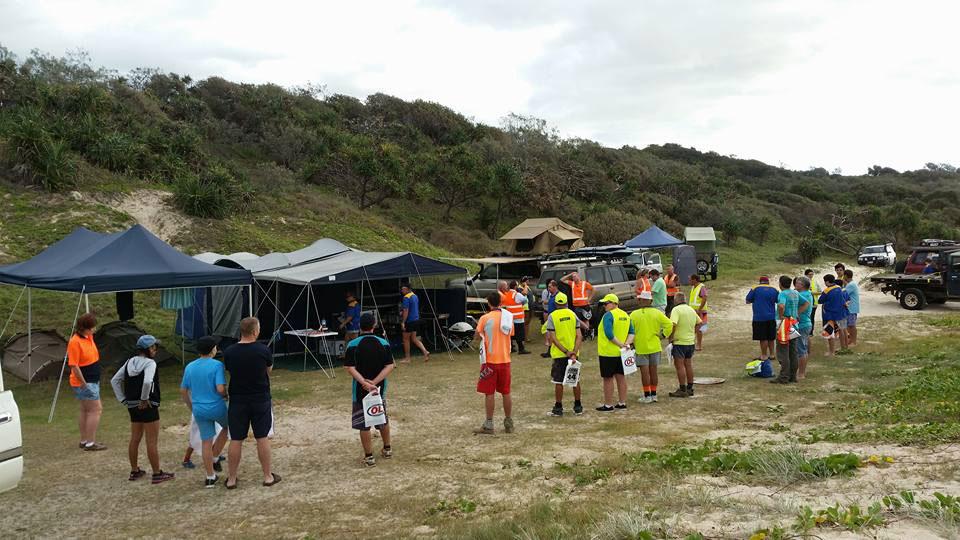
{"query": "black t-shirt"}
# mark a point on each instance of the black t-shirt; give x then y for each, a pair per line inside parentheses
(369, 354)
(247, 364)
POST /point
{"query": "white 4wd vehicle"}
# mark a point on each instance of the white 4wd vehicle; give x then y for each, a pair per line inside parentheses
(877, 256)
(11, 441)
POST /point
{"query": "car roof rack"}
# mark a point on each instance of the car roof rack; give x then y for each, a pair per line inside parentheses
(606, 254)
(936, 242)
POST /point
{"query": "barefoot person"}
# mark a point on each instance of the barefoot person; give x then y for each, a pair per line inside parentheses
(762, 297)
(84, 361)
(137, 386)
(494, 334)
(410, 323)
(615, 334)
(853, 306)
(204, 390)
(832, 299)
(686, 322)
(249, 364)
(698, 302)
(565, 336)
(368, 360)
(649, 325)
(804, 323)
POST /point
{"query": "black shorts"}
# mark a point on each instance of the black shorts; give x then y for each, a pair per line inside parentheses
(764, 330)
(683, 352)
(242, 415)
(144, 416)
(519, 331)
(559, 369)
(610, 366)
(357, 420)
(412, 326)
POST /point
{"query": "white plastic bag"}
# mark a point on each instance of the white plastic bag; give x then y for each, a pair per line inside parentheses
(373, 412)
(629, 360)
(506, 321)
(571, 376)
(669, 351)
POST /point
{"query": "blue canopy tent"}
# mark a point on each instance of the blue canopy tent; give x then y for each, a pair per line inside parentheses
(653, 238)
(88, 262)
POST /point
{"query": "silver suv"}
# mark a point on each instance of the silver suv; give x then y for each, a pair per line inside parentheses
(606, 277)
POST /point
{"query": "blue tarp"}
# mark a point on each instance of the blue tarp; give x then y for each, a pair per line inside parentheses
(653, 238)
(130, 260)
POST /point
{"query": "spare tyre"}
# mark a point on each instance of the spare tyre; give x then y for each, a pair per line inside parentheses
(702, 267)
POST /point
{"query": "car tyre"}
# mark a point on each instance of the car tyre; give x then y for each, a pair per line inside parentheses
(703, 267)
(913, 299)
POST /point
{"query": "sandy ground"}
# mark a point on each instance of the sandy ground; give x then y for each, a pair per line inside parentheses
(151, 208)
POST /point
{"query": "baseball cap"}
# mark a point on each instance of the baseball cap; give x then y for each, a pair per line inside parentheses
(610, 298)
(147, 341)
(206, 344)
(561, 298)
(764, 279)
(646, 295)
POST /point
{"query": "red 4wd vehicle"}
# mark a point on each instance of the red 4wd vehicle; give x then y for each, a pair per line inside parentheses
(930, 248)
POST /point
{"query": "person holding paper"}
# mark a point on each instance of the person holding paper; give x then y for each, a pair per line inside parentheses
(649, 325)
(494, 331)
(616, 334)
(565, 336)
(368, 360)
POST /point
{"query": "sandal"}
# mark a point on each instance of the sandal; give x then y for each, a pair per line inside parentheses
(234, 486)
(137, 474)
(276, 480)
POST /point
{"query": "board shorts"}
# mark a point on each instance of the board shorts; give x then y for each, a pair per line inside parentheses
(609, 366)
(559, 369)
(683, 352)
(412, 327)
(242, 415)
(649, 359)
(842, 323)
(144, 416)
(852, 320)
(357, 420)
(764, 330)
(207, 416)
(803, 344)
(494, 378)
(88, 392)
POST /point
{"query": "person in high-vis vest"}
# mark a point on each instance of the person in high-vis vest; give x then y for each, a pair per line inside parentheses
(525, 290)
(698, 301)
(495, 364)
(643, 282)
(672, 281)
(513, 301)
(815, 291)
(650, 325)
(581, 292)
(614, 335)
(563, 331)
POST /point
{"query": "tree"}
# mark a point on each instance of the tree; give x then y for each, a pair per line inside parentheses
(506, 184)
(732, 230)
(761, 229)
(370, 172)
(455, 175)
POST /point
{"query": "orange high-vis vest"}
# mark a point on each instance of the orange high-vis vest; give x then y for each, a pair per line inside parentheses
(643, 284)
(580, 295)
(509, 302)
(673, 284)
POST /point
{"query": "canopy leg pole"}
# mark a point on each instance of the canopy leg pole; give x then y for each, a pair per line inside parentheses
(436, 317)
(63, 367)
(183, 337)
(86, 302)
(306, 324)
(250, 298)
(29, 336)
(3, 331)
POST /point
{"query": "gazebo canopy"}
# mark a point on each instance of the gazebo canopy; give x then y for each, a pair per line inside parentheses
(653, 238)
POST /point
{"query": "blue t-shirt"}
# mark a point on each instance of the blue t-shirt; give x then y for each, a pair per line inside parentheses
(411, 303)
(201, 378)
(853, 292)
(790, 300)
(929, 270)
(763, 297)
(354, 312)
(832, 299)
(804, 323)
(607, 323)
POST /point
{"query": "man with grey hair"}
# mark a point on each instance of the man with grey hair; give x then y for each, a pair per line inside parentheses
(686, 322)
(804, 323)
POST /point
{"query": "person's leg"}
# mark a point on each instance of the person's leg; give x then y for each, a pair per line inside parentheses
(188, 453)
(220, 442)
(645, 380)
(621, 387)
(207, 454)
(576, 392)
(681, 372)
(94, 410)
(699, 346)
(406, 347)
(385, 435)
(852, 334)
(526, 327)
(151, 431)
(654, 381)
(133, 448)
(843, 338)
(608, 391)
(233, 461)
(416, 341)
(507, 405)
(82, 420)
(558, 393)
(264, 455)
(366, 440)
(688, 372)
(783, 358)
(489, 403)
(794, 359)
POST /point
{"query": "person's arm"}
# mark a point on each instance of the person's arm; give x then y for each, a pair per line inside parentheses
(703, 294)
(666, 325)
(780, 308)
(115, 382)
(382, 375)
(73, 360)
(346, 320)
(185, 396)
(567, 277)
(576, 346)
(359, 378)
(802, 307)
(149, 373)
(750, 295)
(631, 334)
(520, 298)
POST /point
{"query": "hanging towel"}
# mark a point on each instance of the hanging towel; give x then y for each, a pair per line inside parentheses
(125, 305)
(176, 298)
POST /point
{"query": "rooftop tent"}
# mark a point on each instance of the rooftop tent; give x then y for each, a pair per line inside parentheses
(540, 236)
(131, 260)
(653, 238)
(700, 234)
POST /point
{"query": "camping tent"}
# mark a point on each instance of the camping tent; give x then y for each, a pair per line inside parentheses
(652, 238)
(321, 249)
(46, 347)
(117, 341)
(540, 236)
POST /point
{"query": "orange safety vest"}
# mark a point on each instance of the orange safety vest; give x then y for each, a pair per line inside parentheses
(580, 295)
(643, 284)
(673, 284)
(509, 302)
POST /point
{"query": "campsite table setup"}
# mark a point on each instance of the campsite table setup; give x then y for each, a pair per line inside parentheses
(321, 338)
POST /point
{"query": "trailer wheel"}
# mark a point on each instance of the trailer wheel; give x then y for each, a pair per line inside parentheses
(912, 299)
(703, 267)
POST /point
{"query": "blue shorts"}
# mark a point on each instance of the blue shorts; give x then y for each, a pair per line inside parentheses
(852, 320)
(803, 344)
(206, 415)
(90, 392)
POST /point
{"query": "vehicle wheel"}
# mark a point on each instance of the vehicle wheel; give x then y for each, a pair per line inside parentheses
(703, 267)
(900, 267)
(912, 299)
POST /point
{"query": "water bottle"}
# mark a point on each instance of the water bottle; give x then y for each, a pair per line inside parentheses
(323, 324)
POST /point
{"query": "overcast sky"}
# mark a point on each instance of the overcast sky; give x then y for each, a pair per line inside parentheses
(798, 83)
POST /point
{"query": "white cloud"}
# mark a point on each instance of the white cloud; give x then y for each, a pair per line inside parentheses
(833, 84)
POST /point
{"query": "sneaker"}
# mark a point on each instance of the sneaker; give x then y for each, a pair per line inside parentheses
(620, 406)
(556, 411)
(681, 392)
(643, 399)
(577, 409)
(189, 465)
(211, 482)
(137, 474)
(368, 461)
(508, 425)
(94, 447)
(545, 354)
(689, 392)
(484, 430)
(605, 408)
(524, 351)
(160, 477)
(653, 398)
(387, 453)
(218, 463)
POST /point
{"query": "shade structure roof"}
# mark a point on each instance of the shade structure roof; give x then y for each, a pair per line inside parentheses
(321, 249)
(135, 259)
(653, 238)
(699, 234)
(356, 266)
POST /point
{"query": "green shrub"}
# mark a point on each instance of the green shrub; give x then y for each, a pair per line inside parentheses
(116, 151)
(215, 193)
(808, 249)
(36, 154)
